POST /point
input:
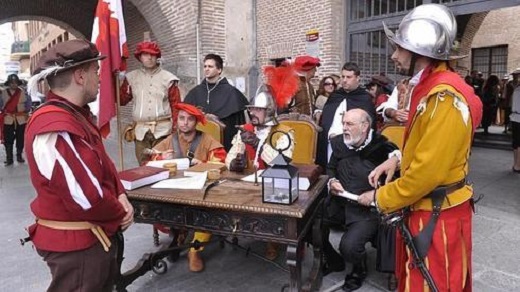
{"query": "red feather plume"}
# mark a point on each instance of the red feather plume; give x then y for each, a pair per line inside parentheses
(284, 83)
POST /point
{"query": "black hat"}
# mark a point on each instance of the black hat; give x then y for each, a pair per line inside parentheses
(67, 55)
(11, 78)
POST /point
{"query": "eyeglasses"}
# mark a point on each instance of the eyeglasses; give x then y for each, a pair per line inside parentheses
(327, 84)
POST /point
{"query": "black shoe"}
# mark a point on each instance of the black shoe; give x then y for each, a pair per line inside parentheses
(8, 162)
(353, 282)
(19, 158)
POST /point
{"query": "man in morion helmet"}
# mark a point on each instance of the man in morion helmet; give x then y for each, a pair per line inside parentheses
(444, 112)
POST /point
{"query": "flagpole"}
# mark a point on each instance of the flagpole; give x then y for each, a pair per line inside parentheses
(118, 119)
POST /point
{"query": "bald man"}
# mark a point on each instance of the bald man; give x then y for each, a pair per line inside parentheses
(354, 155)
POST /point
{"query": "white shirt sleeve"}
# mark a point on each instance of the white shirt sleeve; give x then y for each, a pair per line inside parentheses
(392, 102)
(337, 125)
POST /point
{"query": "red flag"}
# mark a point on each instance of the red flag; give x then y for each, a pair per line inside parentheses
(109, 36)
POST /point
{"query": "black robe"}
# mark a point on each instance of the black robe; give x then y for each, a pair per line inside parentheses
(225, 101)
(352, 168)
(358, 98)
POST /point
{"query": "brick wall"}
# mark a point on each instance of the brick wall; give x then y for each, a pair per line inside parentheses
(282, 26)
(473, 26)
(499, 27)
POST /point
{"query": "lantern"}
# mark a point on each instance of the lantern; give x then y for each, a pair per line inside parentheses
(280, 181)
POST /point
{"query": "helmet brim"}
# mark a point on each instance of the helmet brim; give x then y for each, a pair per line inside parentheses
(395, 41)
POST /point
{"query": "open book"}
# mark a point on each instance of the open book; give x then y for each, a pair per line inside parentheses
(141, 176)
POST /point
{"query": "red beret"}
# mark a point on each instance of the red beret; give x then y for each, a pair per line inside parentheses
(192, 110)
(306, 63)
(147, 47)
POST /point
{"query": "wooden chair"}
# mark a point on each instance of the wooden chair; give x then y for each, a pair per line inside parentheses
(213, 127)
(394, 133)
(305, 134)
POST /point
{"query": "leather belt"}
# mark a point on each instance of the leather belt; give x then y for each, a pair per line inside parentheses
(448, 189)
(79, 225)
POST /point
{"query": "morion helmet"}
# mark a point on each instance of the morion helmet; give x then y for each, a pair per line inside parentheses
(428, 30)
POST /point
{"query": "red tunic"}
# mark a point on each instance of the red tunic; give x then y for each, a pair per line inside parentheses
(74, 178)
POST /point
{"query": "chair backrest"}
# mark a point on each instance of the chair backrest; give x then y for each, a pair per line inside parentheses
(394, 133)
(305, 136)
(213, 127)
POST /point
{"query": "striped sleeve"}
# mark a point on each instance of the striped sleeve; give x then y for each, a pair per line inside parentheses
(68, 160)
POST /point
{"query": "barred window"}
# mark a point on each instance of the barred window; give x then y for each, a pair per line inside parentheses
(490, 60)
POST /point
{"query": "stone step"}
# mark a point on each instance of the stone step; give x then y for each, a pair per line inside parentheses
(493, 141)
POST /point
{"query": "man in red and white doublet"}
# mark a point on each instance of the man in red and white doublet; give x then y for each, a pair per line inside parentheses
(80, 202)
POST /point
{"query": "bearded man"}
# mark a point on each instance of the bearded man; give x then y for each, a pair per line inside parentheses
(354, 155)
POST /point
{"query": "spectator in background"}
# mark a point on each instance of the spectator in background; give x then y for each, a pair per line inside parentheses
(378, 88)
(508, 94)
(155, 94)
(515, 118)
(477, 82)
(15, 106)
(326, 87)
(489, 99)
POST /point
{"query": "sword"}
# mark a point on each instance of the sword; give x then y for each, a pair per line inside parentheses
(397, 219)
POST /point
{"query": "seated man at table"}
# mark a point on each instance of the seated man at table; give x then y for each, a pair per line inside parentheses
(354, 155)
(251, 146)
(200, 147)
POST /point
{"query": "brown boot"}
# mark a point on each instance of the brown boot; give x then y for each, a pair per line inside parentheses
(195, 261)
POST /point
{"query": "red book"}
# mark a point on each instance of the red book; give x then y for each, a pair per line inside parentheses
(141, 176)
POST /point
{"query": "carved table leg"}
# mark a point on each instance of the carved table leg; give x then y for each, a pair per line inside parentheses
(294, 262)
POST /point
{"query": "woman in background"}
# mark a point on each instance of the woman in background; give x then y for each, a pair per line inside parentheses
(326, 87)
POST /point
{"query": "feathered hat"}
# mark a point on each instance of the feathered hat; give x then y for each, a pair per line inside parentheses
(281, 83)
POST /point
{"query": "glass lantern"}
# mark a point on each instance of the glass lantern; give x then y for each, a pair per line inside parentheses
(280, 182)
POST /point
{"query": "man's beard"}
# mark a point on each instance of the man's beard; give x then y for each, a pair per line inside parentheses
(351, 140)
(255, 121)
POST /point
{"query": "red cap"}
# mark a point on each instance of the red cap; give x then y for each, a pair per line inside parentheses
(306, 63)
(147, 47)
(192, 110)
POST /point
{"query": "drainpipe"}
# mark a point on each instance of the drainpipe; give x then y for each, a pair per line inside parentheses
(253, 71)
(197, 37)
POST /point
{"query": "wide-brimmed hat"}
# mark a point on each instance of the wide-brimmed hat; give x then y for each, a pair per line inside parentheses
(147, 47)
(516, 71)
(66, 55)
(11, 78)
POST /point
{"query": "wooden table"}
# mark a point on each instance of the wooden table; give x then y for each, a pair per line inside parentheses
(235, 208)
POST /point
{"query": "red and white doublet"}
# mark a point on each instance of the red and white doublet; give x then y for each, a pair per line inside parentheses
(74, 178)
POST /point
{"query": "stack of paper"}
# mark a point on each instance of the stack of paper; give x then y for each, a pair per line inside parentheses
(182, 163)
(195, 181)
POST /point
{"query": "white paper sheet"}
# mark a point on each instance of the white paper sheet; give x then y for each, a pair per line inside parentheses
(195, 181)
(352, 197)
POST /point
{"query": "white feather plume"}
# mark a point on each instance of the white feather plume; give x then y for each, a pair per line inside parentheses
(32, 84)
